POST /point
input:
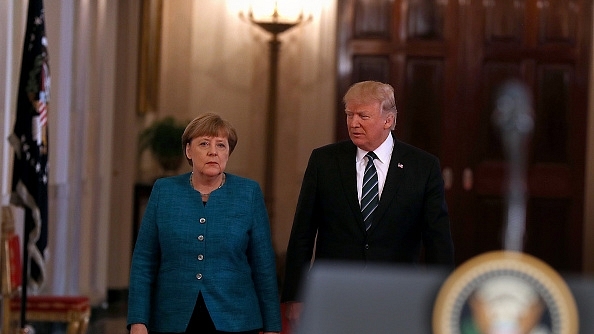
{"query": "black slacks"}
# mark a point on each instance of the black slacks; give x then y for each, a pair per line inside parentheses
(201, 322)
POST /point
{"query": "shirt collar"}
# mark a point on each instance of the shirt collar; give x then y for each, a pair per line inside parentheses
(383, 152)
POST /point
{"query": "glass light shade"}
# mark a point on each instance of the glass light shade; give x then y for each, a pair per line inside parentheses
(285, 11)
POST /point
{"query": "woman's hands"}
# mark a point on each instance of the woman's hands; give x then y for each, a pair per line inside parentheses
(138, 329)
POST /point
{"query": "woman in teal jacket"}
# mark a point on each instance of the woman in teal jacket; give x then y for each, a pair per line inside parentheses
(203, 261)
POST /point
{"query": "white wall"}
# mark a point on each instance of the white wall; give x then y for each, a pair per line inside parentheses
(125, 128)
(81, 48)
(93, 121)
(93, 105)
(12, 14)
(212, 60)
(224, 68)
(82, 44)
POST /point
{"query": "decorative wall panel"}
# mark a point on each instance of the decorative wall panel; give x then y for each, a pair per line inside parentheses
(424, 102)
(372, 19)
(558, 21)
(504, 20)
(550, 139)
(425, 19)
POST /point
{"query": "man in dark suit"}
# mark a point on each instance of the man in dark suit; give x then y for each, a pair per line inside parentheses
(338, 210)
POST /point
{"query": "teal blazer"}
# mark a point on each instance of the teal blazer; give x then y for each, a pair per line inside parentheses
(222, 249)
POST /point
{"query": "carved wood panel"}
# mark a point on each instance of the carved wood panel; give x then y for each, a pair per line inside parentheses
(447, 60)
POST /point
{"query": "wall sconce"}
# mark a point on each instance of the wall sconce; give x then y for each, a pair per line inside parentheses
(274, 17)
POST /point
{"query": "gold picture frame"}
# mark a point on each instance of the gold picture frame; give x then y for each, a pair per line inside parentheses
(511, 291)
(149, 55)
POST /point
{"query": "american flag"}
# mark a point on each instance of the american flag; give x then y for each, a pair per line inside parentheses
(30, 142)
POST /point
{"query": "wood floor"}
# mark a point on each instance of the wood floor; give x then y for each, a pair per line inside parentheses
(110, 319)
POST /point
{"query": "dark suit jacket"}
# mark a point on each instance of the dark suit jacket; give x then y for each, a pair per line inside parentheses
(412, 213)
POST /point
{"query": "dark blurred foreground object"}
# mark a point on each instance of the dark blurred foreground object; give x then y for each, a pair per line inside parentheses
(350, 299)
(347, 298)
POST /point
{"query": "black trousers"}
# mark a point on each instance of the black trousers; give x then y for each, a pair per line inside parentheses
(201, 322)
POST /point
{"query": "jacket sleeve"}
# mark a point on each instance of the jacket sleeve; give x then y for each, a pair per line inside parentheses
(262, 260)
(437, 238)
(144, 264)
(303, 235)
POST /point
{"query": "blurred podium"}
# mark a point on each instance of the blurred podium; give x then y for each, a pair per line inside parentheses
(345, 299)
(582, 289)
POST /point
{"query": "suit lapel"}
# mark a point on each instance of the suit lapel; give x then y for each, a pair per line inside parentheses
(348, 175)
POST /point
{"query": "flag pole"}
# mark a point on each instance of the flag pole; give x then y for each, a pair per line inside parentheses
(25, 272)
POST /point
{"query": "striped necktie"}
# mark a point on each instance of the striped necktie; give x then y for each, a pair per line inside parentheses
(370, 191)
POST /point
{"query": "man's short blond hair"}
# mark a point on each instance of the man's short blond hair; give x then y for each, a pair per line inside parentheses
(371, 92)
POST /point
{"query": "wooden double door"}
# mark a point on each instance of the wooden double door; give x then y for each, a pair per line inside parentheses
(447, 60)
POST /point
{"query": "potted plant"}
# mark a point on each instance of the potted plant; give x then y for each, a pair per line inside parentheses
(163, 139)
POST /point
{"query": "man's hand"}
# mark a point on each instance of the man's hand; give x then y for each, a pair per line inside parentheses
(293, 311)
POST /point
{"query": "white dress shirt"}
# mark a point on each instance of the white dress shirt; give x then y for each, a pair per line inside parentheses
(382, 163)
